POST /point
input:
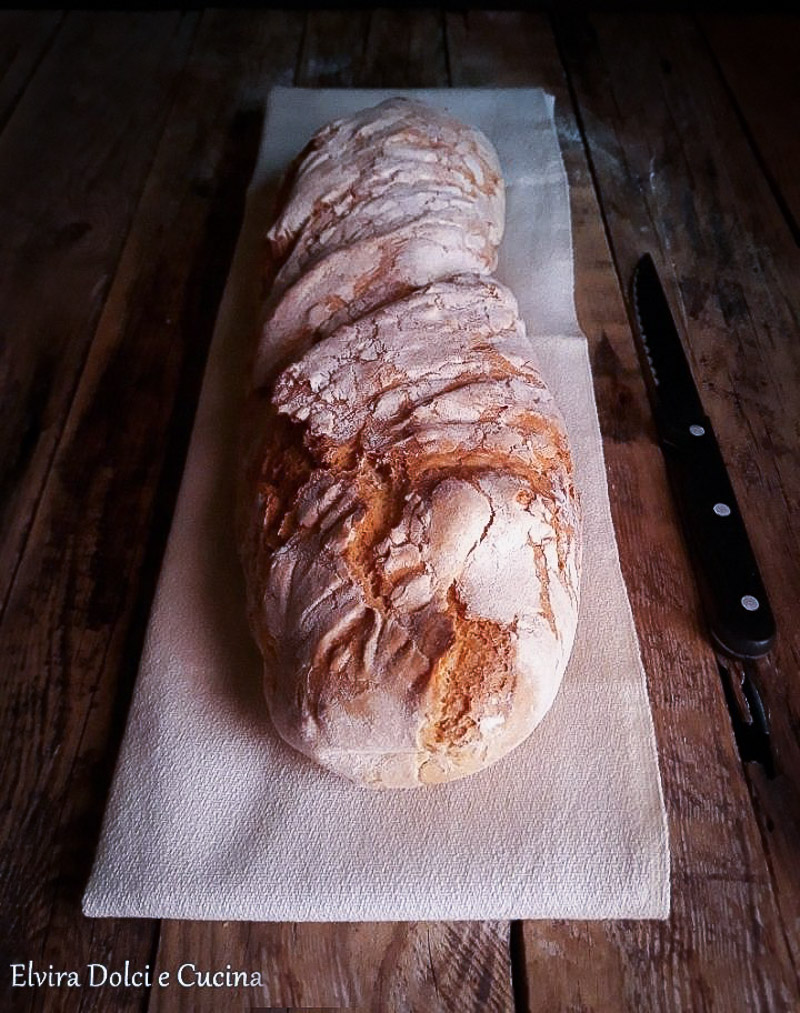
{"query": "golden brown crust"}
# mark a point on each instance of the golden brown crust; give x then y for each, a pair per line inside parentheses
(408, 522)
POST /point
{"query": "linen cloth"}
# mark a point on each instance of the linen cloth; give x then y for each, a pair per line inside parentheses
(211, 816)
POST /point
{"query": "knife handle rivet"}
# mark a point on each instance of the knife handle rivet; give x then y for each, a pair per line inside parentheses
(697, 431)
(722, 510)
(750, 603)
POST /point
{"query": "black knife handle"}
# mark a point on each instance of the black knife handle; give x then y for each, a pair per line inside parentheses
(734, 599)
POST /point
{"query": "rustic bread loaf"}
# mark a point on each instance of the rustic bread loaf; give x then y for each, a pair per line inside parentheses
(409, 527)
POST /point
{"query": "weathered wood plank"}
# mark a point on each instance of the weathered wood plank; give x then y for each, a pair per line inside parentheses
(71, 635)
(706, 207)
(73, 161)
(436, 967)
(495, 48)
(758, 59)
(400, 967)
(723, 946)
(25, 37)
(333, 49)
(403, 51)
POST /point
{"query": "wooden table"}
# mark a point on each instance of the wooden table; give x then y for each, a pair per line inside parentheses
(126, 141)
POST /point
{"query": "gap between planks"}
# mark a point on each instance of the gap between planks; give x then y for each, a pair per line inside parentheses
(25, 503)
(28, 56)
(748, 84)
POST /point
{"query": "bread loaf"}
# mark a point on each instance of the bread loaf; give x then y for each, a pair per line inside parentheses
(408, 522)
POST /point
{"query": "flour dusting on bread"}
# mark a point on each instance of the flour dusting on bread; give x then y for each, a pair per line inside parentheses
(409, 526)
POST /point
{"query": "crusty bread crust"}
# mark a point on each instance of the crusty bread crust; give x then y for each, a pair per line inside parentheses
(397, 196)
(409, 526)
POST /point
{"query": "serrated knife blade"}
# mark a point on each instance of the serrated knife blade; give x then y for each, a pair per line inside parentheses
(668, 368)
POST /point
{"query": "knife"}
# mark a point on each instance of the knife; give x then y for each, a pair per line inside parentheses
(734, 599)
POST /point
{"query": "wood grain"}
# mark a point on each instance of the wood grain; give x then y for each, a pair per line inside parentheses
(400, 967)
(757, 57)
(333, 50)
(707, 210)
(73, 628)
(724, 946)
(25, 36)
(403, 50)
(73, 161)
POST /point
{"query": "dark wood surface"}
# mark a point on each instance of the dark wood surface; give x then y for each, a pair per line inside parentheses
(126, 144)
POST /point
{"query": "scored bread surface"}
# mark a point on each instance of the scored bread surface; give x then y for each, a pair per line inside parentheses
(409, 527)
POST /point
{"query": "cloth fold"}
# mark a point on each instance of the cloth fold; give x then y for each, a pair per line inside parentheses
(211, 816)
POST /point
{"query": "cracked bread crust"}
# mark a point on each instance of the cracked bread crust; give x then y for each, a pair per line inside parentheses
(408, 522)
(379, 204)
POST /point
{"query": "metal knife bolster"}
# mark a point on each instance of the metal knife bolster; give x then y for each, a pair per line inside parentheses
(733, 595)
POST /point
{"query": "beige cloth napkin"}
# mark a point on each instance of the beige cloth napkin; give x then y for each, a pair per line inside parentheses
(212, 816)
